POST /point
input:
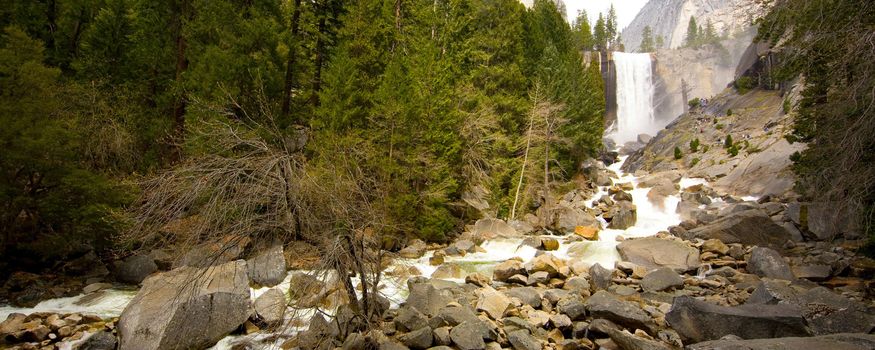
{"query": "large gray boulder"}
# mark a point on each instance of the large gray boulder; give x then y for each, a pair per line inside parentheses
(625, 313)
(749, 227)
(698, 321)
(765, 262)
(490, 228)
(844, 341)
(268, 268)
(427, 299)
(187, 307)
(134, 269)
(623, 215)
(271, 306)
(661, 279)
(566, 219)
(827, 313)
(654, 252)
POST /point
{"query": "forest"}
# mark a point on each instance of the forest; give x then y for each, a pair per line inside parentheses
(281, 118)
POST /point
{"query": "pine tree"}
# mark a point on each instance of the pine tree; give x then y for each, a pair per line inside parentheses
(611, 27)
(647, 44)
(600, 34)
(692, 39)
(660, 42)
(582, 32)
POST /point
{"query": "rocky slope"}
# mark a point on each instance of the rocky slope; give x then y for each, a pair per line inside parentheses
(669, 19)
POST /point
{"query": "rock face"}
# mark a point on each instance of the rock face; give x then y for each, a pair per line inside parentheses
(765, 262)
(186, 308)
(652, 253)
(698, 321)
(269, 267)
(134, 269)
(846, 341)
(669, 19)
(750, 227)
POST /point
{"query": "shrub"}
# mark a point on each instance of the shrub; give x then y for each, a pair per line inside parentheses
(719, 126)
(728, 142)
(733, 151)
(729, 112)
(694, 103)
(705, 148)
(677, 153)
(787, 105)
(694, 162)
(694, 145)
(744, 84)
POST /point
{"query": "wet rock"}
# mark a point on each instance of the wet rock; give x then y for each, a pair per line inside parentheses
(271, 306)
(102, 340)
(448, 270)
(494, 303)
(661, 279)
(698, 321)
(186, 308)
(765, 262)
(566, 219)
(546, 263)
(466, 336)
(846, 341)
(418, 339)
(587, 232)
(268, 268)
(527, 295)
(604, 305)
(749, 227)
(414, 250)
(409, 319)
(505, 270)
(549, 244)
(653, 252)
(601, 277)
(623, 216)
(715, 246)
(522, 340)
(134, 269)
(478, 279)
(91, 288)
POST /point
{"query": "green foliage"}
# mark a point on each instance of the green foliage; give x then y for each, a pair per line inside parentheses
(600, 34)
(729, 112)
(719, 126)
(694, 145)
(660, 42)
(787, 106)
(705, 148)
(744, 84)
(582, 32)
(694, 161)
(677, 153)
(727, 143)
(694, 103)
(692, 38)
(733, 151)
(647, 44)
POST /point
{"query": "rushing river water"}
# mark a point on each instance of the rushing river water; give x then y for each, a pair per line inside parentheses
(652, 218)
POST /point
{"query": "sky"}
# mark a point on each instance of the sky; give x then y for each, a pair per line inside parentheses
(626, 9)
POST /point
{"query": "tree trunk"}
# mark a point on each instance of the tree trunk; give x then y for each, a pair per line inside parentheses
(181, 66)
(290, 63)
(519, 185)
(320, 57)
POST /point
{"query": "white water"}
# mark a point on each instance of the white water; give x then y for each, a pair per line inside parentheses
(634, 97)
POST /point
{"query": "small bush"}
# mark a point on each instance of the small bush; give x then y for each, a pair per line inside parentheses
(746, 144)
(694, 103)
(729, 112)
(705, 148)
(677, 153)
(728, 142)
(694, 162)
(694, 145)
(787, 105)
(744, 84)
(719, 126)
(733, 151)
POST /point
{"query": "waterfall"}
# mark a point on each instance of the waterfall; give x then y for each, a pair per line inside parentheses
(634, 97)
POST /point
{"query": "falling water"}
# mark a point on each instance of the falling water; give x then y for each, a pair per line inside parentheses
(634, 97)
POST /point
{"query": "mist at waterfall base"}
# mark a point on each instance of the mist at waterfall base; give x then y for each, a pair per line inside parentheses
(634, 98)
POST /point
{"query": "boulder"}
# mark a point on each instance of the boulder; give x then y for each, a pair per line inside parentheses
(546, 263)
(448, 270)
(827, 313)
(661, 279)
(493, 303)
(527, 295)
(478, 279)
(428, 299)
(453, 315)
(268, 268)
(698, 321)
(227, 249)
(549, 244)
(540, 277)
(306, 290)
(134, 269)
(409, 319)
(623, 216)
(506, 269)
(654, 252)
(522, 340)
(414, 250)
(489, 228)
(625, 313)
(578, 285)
(626, 340)
(441, 336)
(601, 277)
(467, 337)
(715, 246)
(765, 262)
(418, 339)
(102, 340)
(187, 307)
(844, 341)
(271, 306)
(573, 306)
(813, 272)
(749, 227)
(566, 219)
(587, 232)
